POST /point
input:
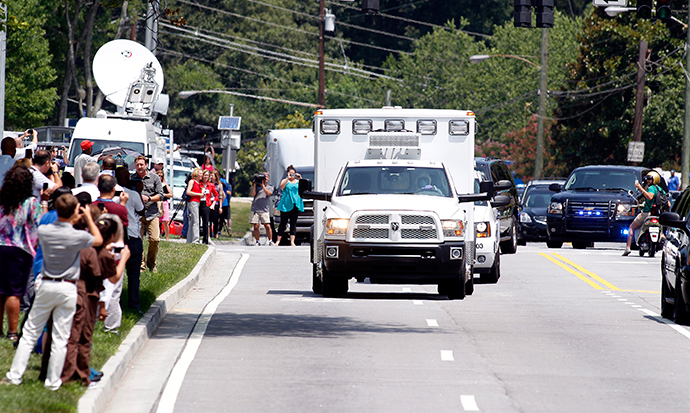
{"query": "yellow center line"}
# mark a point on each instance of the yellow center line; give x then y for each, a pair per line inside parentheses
(585, 275)
(591, 274)
(572, 271)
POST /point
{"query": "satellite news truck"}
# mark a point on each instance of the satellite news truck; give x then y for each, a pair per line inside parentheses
(394, 193)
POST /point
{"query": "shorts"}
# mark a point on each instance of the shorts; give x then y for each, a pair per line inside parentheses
(259, 218)
(639, 219)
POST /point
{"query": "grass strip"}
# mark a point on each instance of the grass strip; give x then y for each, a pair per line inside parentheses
(175, 261)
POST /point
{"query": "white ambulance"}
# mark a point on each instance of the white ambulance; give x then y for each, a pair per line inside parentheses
(394, 198)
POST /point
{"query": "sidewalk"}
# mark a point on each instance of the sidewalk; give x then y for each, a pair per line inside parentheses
(97, 399)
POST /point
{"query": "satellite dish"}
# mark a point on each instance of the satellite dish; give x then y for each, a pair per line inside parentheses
(118, 64)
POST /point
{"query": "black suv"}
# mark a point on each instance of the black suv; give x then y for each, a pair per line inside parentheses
(597, 203)
(507, 215)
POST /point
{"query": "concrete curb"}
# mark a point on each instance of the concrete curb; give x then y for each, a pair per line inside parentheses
(94, 400)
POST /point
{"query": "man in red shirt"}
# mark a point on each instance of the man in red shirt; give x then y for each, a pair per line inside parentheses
(106, 184)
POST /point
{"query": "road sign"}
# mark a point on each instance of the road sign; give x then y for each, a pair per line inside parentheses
(635, 151)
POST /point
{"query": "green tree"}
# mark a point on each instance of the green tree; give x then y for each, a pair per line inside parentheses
(596, 107)
(29, 97)
(294, 121)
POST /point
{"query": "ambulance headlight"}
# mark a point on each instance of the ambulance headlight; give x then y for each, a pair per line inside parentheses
(426, 127)
(459, 127)
(330, 126)
(337, 226)
(361, 126)
(453, 228)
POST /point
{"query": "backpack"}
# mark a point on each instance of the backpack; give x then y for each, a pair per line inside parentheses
(660, 202)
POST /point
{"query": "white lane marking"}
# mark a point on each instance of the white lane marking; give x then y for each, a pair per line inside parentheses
(634, 262)
(447, 355)
(172, 387)
(615, 296)
(469, 404)
(622, 299)
(431, 322)
(669, 323)
(417, 302)
(636, 306)
(407, 290)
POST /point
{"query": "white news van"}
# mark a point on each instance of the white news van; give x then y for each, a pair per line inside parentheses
(394, 198)
(285, 147)
(141, 136)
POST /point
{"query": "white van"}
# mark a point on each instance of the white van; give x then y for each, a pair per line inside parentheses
(394, 198)
(138, 135)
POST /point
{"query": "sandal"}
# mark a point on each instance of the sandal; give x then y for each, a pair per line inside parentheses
(12, 336)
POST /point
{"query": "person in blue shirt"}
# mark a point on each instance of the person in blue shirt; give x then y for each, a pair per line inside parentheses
(225, 206)
(673, 182)
(290, 204)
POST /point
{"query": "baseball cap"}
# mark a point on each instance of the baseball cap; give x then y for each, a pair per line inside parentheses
(159, 160)
(86, 145)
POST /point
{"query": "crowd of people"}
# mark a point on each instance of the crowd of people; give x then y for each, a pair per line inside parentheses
(64, 249)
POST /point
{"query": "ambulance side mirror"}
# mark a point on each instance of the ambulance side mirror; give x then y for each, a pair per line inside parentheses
(305, 192)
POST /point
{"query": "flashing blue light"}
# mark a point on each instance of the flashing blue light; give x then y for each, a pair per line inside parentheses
(624, 232)
(598, 213)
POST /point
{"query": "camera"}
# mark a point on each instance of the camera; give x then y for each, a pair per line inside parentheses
(259, 179)
(117, 249)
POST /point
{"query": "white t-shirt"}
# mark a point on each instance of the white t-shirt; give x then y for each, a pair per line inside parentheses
(39, 180)
(21, 152)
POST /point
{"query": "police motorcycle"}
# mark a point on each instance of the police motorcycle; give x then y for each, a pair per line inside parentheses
(649, 237)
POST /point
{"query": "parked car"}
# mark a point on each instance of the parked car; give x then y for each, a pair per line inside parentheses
(497, 170)
(543, 181)
(533, 206)
(597, 203)
(675, 289)
(488, 257)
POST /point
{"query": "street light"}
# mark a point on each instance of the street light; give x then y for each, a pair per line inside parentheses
(188, 93)
(481, 57)
(539, 153)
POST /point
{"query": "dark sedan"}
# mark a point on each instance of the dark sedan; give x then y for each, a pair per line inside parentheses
(675, 273)
(532, 223)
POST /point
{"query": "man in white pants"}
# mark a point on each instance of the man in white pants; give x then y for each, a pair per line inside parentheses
(56, 290)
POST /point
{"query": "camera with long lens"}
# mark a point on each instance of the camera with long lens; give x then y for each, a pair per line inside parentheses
(259, 178)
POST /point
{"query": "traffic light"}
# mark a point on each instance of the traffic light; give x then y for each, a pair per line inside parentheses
(644, 9)
(370, 6)
(523, 13)
(663, 9)
(544, 13)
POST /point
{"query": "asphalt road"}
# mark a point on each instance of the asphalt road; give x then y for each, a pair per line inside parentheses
(562, 331)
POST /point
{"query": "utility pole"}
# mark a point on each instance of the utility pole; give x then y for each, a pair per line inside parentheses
(639, 97)
(3, 56)
(322, 65)
(685, 154)
(151, 37)
(539, 156)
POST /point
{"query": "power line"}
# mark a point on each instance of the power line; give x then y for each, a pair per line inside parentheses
(272, 55)
(253, 72)
(405, 19)
(294, 29)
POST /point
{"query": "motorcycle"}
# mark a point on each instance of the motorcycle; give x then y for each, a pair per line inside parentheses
(649, 236)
